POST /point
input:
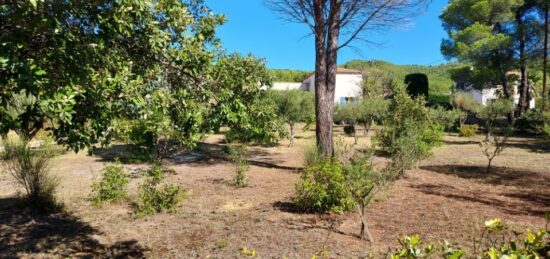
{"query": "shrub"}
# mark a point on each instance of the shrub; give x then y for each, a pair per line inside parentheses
(409, 132)
(112, 186)
(238, 155)
(153, 198)
(349, 130)
(497, 133)
(464, 101)
(311, 155)
(362, 181)
(30, 169)
(544, 131)
(468, 130)
(530, 122)
(322, 188)
(417, 85)
(447, 118)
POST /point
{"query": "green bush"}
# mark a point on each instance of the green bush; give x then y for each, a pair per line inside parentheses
(409, 132)
(468, 130)
(417, 85)
(154, 198)
(448, 119)
(30, 169)
(112, 186)
(349, 130)
(322, 188)
(530, 122)
(238, 155)
(544, 131)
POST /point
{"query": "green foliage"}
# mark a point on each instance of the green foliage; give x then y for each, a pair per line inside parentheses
(238, 155)
(468, 130)
(363, 181)
(413, 247)
(77, 59)
(323, 188)
(417, 85)
(464, 101)
(446, 118)
(287, 75)
(479, 34)
(30, 170)
(293, 107)
(311, 155)
(409, 133)
(112, 186)
(154, 198)
(497, 131)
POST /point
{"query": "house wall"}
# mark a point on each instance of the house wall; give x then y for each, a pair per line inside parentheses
(347, 85)
(286, 86)
(484, 96)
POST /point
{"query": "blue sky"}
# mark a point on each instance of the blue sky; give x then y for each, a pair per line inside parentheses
(252, 28)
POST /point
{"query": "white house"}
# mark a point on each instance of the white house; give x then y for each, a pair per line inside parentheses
(348, 85)
(487, 95)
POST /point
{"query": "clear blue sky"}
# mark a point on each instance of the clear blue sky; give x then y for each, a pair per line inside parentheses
(252, 28)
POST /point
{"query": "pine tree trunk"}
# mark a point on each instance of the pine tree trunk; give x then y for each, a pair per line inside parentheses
(545, 60)
(523, 104)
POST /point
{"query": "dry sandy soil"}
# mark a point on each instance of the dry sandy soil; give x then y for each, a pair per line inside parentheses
(448, 196)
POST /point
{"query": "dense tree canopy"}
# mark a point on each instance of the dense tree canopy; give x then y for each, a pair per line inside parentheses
(75, 66)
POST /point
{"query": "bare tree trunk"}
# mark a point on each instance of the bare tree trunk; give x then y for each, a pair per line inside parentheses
(364, 227)
(545, 59)
(323, 112)
(354, 134)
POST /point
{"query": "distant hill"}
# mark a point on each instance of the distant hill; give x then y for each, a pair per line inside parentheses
(438, 75)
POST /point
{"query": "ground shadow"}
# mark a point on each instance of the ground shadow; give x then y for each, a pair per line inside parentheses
(497, 176)
(527, 205)
(58, 234)
(527, 143)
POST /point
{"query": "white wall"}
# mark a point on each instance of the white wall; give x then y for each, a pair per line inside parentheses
(485, 95)
(286, 86)
(347, 85)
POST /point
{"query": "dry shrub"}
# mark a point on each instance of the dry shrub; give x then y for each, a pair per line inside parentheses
(30, 170)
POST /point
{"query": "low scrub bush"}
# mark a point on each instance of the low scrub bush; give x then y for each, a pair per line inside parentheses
(112, 186)
(311, 155)
(155, 197)
(448, 119)
(30, 170)
(468, 130)
(238, 155)
(409, 132)
(322, 188)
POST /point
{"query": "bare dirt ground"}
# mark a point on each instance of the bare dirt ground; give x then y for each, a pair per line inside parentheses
(448, 196)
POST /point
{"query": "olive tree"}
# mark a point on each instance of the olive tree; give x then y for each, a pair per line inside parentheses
(294, 106)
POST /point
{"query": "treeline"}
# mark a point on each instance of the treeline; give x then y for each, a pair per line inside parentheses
(288, 75)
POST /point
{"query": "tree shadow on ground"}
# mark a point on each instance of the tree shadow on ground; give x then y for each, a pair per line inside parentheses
(58, 234)
(530, 204)
(203, 154)
(210, 154)
(531, 187)
(498, 176)
(529, 144)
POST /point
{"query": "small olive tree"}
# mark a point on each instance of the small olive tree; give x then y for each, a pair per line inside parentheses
(497, 128)
(294, 106)
(409, 132)
(372, 108)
